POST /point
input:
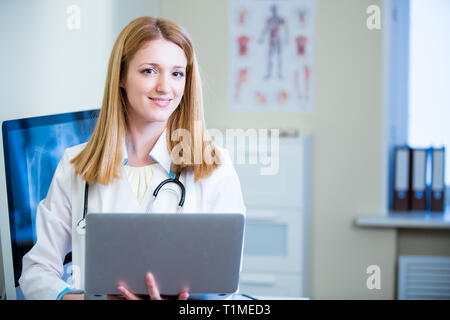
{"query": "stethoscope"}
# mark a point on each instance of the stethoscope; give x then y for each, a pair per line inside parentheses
(81, 225)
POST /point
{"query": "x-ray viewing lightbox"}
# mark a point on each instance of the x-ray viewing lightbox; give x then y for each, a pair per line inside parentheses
(32, 149)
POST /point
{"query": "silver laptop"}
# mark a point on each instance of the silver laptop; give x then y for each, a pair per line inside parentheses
(202, 252)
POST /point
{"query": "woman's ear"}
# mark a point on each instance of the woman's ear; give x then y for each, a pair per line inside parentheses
(121, 82)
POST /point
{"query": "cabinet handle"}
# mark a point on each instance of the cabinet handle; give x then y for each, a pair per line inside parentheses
(261, 280)
(261, 218)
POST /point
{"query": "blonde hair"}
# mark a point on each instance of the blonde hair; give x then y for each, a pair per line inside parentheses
(102, 157)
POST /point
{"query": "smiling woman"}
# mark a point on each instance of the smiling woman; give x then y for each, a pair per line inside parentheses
(152, 93)
(152, 84)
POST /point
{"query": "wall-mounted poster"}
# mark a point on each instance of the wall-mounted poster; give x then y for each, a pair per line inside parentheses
(271, 55)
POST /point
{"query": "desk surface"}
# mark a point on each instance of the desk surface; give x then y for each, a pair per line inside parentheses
(246, 297)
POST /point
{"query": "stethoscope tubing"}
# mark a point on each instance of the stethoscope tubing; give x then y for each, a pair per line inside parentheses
(177, 182)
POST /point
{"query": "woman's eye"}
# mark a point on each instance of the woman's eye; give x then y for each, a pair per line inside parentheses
(178, 74)
(148, 70)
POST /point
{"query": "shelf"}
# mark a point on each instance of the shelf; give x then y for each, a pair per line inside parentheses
(406, 219)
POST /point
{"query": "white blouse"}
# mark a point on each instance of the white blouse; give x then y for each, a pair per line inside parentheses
(139, 178)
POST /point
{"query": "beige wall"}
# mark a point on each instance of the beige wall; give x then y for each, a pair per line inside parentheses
(346, 124)
(434, 242)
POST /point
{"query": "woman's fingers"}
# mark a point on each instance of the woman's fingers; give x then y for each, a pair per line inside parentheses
(127, 293)
(183, 295)
(153, 290)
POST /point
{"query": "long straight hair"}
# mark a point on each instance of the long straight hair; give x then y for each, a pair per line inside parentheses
(101, 159)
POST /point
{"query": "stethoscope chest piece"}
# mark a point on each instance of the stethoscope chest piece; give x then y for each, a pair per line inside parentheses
(81, 227)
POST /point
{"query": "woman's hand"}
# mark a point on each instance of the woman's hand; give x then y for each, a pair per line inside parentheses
(153, 290)
(72, 296)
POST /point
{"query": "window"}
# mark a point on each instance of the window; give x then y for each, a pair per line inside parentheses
(417, 77)
(429, 76)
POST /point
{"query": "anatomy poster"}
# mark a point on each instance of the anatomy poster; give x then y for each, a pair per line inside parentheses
(271, 58)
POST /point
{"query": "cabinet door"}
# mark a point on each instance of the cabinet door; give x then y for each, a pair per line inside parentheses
(274, 241)
(284, 187)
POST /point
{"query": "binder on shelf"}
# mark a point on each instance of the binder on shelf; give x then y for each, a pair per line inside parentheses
(418, 179)
(401, 178)
(437, 191)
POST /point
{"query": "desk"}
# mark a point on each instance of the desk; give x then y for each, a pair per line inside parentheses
(236, 296)
(281, 298)
(244, 297)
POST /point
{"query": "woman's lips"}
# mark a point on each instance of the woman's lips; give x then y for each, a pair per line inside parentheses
(162, 103)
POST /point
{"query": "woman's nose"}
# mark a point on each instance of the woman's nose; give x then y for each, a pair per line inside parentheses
(163, 84)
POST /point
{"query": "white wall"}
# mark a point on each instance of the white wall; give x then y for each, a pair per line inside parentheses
(47, 68)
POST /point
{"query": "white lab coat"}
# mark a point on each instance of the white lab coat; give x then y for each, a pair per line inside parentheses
(59, 213)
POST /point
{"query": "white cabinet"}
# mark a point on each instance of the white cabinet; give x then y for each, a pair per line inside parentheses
(276, 243)
(273, 244)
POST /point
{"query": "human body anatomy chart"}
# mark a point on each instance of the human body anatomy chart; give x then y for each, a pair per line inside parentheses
(271, 55)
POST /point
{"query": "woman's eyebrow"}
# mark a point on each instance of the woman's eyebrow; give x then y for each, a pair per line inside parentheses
(158, 66)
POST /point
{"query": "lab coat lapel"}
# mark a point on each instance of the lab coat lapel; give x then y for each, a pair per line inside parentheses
(160, 153)
(166, 201)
